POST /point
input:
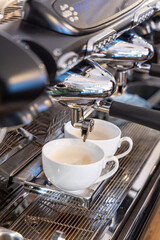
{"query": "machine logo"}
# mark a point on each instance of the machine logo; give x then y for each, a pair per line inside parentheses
(69, 12)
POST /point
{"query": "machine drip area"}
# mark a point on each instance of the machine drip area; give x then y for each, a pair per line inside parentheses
(82, 69)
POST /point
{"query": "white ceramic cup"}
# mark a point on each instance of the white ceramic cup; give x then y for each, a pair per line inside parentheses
(71, 164)
(105, 134)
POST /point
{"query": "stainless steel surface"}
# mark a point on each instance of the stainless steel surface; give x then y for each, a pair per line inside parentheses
(125, 52)
(88, 80)
(61, 218)
(38, 128)
(45, 127)
(10, 212)
(135, 223)
(6, 234)
(85, 198)
(28, 138)
(102, 106)
(7, 194)
(24, 117)
(58, 236)
(149, 29)
(12, 139)
(142, 13)
(3, 132)
(86, 127)
(100, 40)
(79, 87)
(145, 68)
(12, 11)
(78, 121)
(44, 217)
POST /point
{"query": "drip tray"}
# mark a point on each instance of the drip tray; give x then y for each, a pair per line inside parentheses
(143, 138)
(108, 205)
(84, 198)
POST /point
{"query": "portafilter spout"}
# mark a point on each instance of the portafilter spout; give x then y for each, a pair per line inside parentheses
(79, 88)
(123, 54)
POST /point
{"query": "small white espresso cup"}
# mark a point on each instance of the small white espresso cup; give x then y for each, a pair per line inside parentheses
(105, 134)
(71, 164)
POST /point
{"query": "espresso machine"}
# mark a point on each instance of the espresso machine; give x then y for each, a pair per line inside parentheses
(60, 61)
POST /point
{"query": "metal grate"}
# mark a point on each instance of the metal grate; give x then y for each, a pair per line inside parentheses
(45, 127)
(5, 192)
(48, 124)
(42, 218)
(11, 140)
(13, 11)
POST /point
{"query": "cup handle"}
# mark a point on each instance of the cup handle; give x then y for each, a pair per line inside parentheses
(112, 172)
(125, 139)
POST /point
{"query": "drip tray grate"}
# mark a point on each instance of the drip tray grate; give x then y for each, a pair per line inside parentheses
(85, 198)
(12, 12)
(45, 216)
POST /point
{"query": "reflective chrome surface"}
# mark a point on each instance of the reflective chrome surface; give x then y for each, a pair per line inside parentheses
(78, 121)
(149, 29)
(24, 117)
(145, 28)
(3, 132)
(80, 87)
(44, 217)
(88, 80)
(58, 236)
(10, 10)
(28, 137)
(6, 234)
(125, 52)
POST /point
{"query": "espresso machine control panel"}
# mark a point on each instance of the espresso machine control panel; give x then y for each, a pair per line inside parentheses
(72, 30)
(80, 17)
(64, 32)
(90, 14)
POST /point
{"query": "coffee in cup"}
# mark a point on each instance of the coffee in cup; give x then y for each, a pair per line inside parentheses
(71, 164)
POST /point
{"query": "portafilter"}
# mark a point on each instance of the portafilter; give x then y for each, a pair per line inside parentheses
(86, 86)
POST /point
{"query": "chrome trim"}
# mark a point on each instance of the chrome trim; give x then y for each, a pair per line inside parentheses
(134, 193)
(28, 138)
(9, 234)
(105, 213)
(14, 209)
(87, 80)
(58, 236)
(125, 52)
(100, 40)
(142, 15)
(25, 116)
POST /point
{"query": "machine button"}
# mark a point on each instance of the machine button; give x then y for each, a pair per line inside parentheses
(66, 60)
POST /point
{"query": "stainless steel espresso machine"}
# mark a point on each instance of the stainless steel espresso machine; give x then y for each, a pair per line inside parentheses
(61, 61)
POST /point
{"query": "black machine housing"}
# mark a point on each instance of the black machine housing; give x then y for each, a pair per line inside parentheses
(54, 33)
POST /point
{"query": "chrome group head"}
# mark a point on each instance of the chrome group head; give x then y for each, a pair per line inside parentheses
(88, 83)
(84, 87)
